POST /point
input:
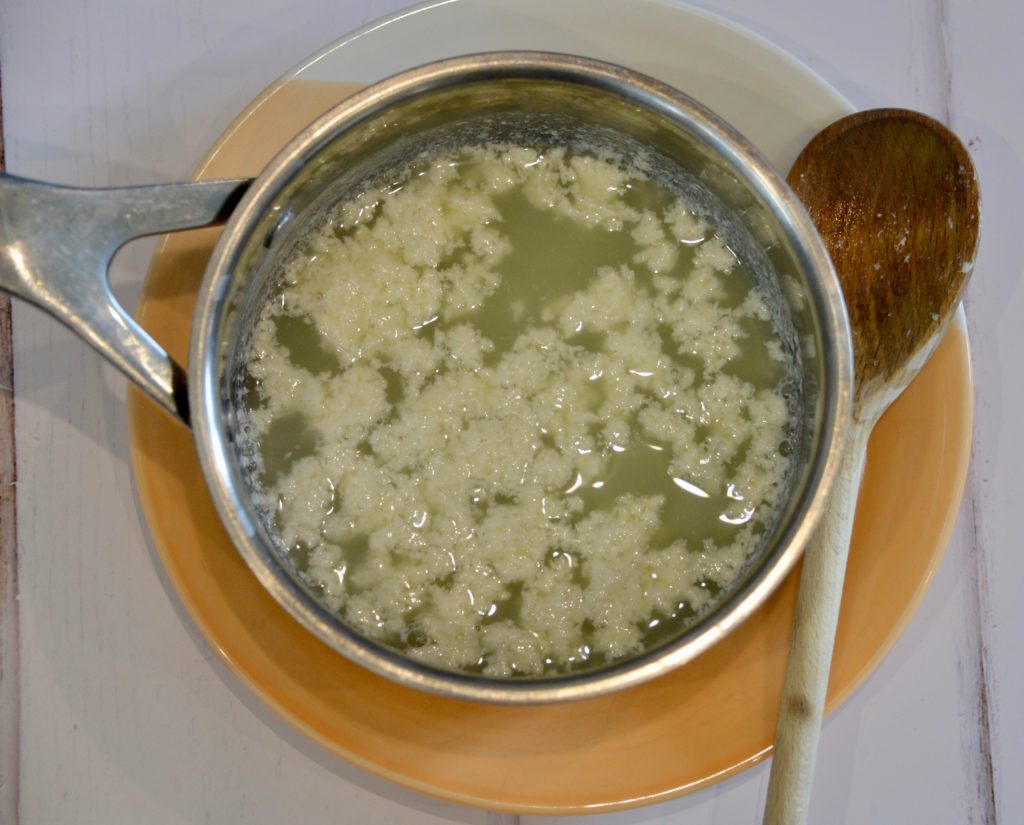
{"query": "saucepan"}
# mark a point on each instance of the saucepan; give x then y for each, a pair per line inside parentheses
(57, 243)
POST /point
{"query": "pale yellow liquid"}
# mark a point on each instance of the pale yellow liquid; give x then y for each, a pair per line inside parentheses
(551, 258)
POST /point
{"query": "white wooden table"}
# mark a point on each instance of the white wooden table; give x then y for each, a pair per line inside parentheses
(115, 710)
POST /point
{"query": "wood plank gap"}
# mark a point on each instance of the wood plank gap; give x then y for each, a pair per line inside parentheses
(975, 689)
(975, 666)
(940, 13)
(10, 640)
(10, 705)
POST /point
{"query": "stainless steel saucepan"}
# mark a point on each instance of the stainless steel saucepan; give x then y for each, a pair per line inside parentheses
(56, 244)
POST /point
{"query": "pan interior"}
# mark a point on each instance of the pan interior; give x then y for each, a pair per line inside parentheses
(381, 147)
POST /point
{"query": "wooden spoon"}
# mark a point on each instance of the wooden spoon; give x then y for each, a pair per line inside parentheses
(895, 198)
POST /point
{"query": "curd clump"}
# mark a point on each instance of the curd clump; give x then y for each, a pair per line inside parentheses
(519, 412)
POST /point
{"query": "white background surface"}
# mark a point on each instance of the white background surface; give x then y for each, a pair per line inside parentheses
(125, 714)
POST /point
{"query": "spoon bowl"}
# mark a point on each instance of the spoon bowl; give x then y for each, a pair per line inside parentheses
(895, 198)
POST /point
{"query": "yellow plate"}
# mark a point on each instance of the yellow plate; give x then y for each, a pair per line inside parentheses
(684, 731)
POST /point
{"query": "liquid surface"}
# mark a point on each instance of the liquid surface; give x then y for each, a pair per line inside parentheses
(519, 412)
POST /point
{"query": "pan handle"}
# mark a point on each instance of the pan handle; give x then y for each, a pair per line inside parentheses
(56, 243)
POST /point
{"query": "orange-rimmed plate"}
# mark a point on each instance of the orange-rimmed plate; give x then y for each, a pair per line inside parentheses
(683, 731)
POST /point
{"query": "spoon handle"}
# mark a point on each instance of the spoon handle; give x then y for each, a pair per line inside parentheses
(810, 653)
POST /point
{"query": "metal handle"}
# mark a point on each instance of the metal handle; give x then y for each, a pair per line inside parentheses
(56, 244)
